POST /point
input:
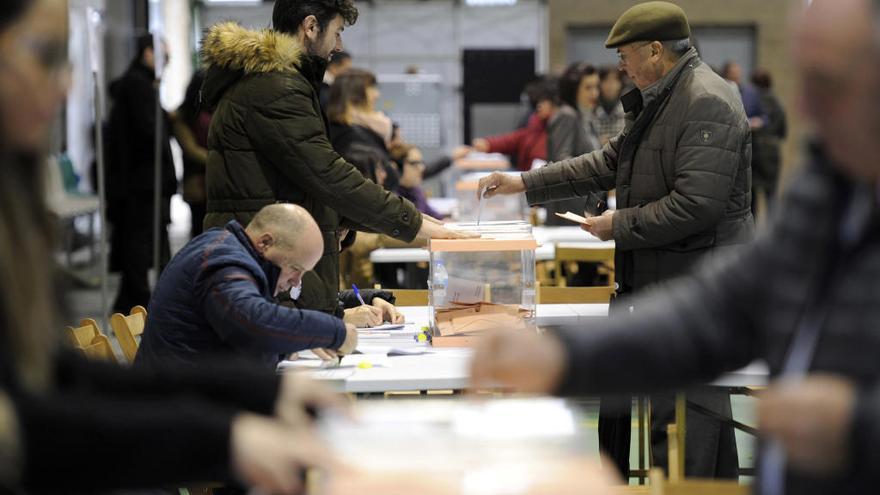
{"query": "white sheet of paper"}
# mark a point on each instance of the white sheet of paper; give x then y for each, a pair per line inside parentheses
(384, 327)
(464, 291)
(375, 360)
(393, 351)
(332, 374)
(298, 364)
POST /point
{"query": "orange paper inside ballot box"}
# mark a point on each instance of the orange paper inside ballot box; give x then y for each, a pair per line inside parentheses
(477, 318)
(482, 244)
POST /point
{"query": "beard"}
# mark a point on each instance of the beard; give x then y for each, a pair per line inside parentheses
(316, 48)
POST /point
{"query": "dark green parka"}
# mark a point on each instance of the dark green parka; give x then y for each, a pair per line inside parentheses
(268, 143)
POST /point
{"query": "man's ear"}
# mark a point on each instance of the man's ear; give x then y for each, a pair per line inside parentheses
(311, 27)
(656, 48)
(265, 241)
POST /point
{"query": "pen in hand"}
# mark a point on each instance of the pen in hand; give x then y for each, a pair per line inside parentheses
(357, 293)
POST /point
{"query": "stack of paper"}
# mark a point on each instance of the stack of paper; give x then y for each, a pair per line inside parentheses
(469, 319)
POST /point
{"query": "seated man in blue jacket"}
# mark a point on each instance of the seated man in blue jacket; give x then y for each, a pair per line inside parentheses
(217, 295)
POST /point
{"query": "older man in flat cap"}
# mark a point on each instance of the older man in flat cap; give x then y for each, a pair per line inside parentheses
(681, 168)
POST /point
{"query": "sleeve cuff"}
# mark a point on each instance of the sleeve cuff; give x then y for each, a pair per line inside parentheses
(534, 184)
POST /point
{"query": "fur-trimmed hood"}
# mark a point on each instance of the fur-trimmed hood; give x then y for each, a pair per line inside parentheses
(231, 52)
(231, 46)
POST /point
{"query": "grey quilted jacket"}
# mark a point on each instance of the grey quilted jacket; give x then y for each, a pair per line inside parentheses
(681, 168)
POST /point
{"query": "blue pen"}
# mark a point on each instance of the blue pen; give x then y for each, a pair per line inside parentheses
(358, 294)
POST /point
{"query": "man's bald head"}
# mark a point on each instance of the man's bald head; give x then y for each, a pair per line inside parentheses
(289, 222)
(287, 236)
(837, 51)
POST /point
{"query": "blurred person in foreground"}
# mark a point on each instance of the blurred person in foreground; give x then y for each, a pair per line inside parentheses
(168, 427)
(682, 179)
(803, 296)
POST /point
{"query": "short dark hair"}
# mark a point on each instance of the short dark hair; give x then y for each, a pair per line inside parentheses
(544, 89)
(761, 79)
(571, 81)
(143, 42)
(288, 15)
(366, 160)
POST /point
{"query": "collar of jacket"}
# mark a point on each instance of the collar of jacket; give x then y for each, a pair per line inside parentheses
(228, 45)
(636, 100)
(231, 46)
(272, 272)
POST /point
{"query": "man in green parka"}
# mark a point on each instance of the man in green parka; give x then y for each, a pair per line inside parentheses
(268, 138)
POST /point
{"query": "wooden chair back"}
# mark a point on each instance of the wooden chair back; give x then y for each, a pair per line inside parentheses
(660, 486)
(90, 340)
(84, 334)
(128, 330)
(566, 254)
(574, 295)
(100, 349)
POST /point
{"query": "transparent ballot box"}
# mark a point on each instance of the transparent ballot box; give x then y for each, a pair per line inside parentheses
(507, 207)
(481, 284)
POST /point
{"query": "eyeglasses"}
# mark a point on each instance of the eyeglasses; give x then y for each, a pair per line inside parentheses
(414, 162)
(621, 57)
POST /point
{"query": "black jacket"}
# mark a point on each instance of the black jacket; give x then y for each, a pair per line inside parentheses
(131, 139)
(747, 306)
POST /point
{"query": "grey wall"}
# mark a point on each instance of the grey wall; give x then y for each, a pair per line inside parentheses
(718, 44)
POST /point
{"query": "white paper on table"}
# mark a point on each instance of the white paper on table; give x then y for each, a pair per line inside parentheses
(374, 360)
(332, 374)
(297, 364)
(385, 326)
(393, 351)
(464, 291)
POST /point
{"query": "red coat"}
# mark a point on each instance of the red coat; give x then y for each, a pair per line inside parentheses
(524, 144)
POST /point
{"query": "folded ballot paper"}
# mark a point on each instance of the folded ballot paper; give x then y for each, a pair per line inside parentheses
(574, 217)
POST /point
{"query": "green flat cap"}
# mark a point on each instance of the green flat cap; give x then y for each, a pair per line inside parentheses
(649, 21)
